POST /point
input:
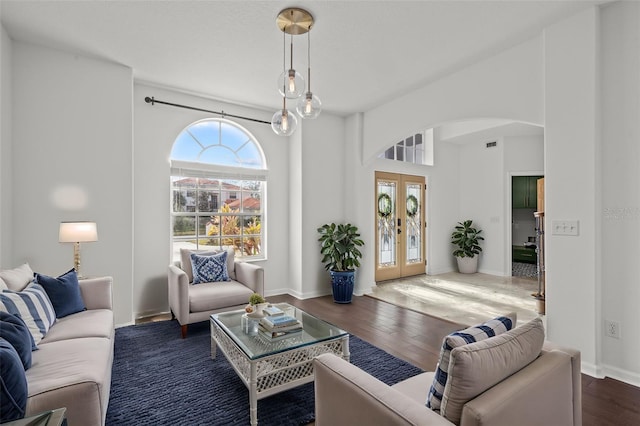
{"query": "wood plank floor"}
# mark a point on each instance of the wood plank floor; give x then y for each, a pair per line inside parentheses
(416, 338)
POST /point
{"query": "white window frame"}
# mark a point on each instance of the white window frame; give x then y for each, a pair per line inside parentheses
(195, 169)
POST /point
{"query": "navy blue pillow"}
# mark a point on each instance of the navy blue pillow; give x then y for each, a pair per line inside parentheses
(64, 293)
(13, 384)
(15, 331)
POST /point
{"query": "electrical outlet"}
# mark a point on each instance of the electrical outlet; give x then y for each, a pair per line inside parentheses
(612, 329)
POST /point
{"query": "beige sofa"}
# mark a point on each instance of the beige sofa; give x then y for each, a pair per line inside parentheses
(191, 303)
(545, 392)
(72, 366)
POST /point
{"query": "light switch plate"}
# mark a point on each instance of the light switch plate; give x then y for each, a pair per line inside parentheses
(564, 227)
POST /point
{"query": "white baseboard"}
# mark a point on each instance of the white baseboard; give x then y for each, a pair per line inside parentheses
(622, 375)
(591, 370)
(490, 272)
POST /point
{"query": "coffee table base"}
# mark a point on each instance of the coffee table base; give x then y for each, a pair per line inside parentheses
(274, 373)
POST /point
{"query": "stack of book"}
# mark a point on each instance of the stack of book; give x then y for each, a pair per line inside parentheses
(276, 327)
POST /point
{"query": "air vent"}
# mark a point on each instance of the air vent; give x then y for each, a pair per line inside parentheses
(492, 144)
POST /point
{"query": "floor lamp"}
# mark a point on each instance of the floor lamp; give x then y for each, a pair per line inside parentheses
(76, 233)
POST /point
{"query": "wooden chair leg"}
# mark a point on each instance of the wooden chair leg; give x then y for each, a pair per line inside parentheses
(184, 331)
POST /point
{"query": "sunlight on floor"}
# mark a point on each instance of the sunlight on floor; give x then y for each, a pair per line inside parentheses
(464, 298)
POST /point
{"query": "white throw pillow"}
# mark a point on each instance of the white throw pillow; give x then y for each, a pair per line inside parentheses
(16, 279)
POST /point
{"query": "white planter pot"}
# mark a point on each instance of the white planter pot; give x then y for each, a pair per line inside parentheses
(467, 265)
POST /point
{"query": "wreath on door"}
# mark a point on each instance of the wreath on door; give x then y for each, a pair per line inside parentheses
(412, 206)
(384, 205)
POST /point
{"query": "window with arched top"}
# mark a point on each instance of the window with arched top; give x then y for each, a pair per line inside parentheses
(218, 188)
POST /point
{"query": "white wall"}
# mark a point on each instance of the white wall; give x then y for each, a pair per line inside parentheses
(508, 85)
(6, 98)
(156, 127)
(620, 153)
(482, 199)
(72, 134)
(322, 190)
(571, 138)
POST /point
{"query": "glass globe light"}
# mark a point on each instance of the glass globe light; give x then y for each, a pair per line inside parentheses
(309, 106)
(284, 123)
(291, 84)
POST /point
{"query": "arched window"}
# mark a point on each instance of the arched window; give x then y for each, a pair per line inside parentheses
(218, 187)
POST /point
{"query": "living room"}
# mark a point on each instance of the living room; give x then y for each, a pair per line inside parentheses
(78, 142)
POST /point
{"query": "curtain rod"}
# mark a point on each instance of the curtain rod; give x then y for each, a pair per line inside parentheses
(153, 101)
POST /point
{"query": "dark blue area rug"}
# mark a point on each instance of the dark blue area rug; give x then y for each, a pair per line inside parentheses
(160, 379)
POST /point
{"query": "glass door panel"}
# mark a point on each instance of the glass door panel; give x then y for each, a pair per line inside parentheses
(386, 223)
(413, 231)
(399, 226)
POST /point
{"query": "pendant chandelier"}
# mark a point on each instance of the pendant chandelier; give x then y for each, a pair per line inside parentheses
(291, 84)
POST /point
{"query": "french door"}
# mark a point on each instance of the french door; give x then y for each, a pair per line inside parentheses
(400, 226)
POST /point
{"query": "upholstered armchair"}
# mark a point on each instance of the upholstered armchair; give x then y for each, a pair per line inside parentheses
(190, 303)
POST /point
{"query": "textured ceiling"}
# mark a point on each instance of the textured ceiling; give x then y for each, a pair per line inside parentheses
(363, 52)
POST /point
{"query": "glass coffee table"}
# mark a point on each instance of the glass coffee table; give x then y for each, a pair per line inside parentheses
(268, 366)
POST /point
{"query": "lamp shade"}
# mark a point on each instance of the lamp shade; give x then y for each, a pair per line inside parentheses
(78, 232)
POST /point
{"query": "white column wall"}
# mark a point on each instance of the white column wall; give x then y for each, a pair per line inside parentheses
(72, 139)
(6, 190)
(620, 151)
(322, 194)
(571, 139)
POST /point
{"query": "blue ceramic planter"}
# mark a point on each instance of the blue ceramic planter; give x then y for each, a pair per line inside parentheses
(342, 285)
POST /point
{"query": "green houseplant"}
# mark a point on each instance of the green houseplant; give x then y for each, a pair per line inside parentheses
(256, 304)
(467, 240)
(341, 256)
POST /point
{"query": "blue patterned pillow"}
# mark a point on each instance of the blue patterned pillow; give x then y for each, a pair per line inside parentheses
(473, 334)
(32, 305)
(207, 269)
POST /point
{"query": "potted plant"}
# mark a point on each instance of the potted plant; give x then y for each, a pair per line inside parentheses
(467, 239)
(339, 248)
(256, 304)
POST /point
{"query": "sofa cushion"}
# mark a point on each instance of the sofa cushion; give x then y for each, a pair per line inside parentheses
(416, 387)
(75, 374)
(208, 269)
(16, 332)
(459, 338)
(476, 367)
(13, 384)
(90, 323)
(33, 306)
(211, 296)
(16, 279)
(185, 260)
(64, 292)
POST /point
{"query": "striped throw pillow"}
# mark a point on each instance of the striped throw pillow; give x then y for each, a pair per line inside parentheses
(32, 305)
(473, 334)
